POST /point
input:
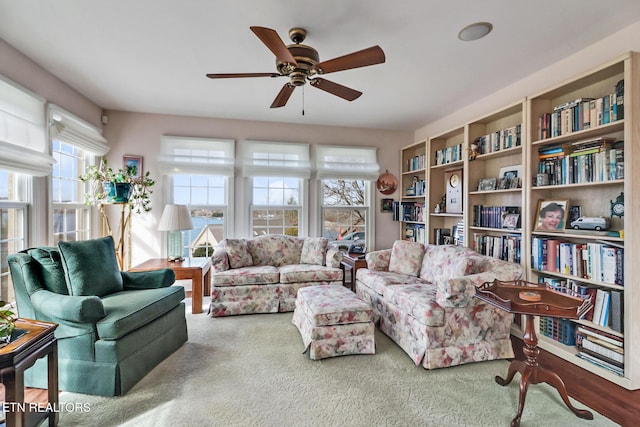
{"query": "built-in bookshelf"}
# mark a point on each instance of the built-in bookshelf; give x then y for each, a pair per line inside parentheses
(573, 145)
(410, 208)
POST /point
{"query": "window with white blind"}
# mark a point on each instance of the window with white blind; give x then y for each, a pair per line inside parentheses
(345, 175)
(277, 174)
(200, 173)
(75, 144)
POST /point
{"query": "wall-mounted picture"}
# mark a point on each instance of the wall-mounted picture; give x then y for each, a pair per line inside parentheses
(552, 215)
(132, 161)
(487, 184)
(386, 205)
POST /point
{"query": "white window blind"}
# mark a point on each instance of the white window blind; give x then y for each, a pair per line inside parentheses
(66, 127)
(23, 144)
(196, 156)
(346, 162)
(262, 158)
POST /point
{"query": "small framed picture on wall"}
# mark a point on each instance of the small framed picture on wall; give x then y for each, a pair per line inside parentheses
(131, 161)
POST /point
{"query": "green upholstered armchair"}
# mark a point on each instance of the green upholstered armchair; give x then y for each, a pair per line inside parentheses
(114, 327)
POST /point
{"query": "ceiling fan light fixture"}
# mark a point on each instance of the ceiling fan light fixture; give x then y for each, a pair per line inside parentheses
(475, 31)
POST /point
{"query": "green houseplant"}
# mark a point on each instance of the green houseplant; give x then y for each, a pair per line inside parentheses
(7, 322)
(124, 186)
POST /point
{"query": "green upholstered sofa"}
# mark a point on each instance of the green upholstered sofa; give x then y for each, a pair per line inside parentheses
(114, 327)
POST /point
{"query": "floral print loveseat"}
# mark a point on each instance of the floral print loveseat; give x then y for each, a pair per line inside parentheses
(423, 299)
(263, 275)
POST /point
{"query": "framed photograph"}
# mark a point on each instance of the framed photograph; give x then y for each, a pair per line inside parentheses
(510, 220)
(487, 184)
(512, 173)
(552, 215)
(386, 205)
(503, 183)
(129, 160)
(575, 212)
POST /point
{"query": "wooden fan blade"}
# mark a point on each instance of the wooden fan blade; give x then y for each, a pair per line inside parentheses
(362, 58)
(275, 44)
(234, 75)
(335, 89)
(283, 96)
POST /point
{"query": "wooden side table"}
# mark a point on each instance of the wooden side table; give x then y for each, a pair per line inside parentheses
(198, 270)
(37, 340)
(533, 299)
(351, 262)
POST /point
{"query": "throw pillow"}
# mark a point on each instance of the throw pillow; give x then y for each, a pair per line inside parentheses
(313, 250)
(238, 253)
(91, 267)
(51, 269)
(406, 257)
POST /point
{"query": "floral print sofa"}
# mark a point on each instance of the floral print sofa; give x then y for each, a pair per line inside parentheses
(423, 299)
(263, 274)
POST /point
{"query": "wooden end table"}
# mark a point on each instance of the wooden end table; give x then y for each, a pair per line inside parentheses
(351, 262)
(533, 299)
(198, 270)
(37, 340)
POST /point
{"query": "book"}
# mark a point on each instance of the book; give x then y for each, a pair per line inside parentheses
(598, 304)
(602, 335)
(599, 362)
(617, 305)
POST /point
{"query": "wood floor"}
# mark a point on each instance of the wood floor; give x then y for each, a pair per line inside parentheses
(616, 403)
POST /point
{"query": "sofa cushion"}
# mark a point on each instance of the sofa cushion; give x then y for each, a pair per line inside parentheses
(50, 262)
(313, 250)
(91, 267)
(419, 300)
(238, 253)
(130, 310)
(297, 273)
(275, 249)
(406, 257)
(444, 262)
(255, 275)
(378, 281)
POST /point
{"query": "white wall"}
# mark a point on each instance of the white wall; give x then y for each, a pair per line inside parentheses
(625, 40)
(139, 134)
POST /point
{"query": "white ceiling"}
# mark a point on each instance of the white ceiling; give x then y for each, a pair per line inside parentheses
(152, 55)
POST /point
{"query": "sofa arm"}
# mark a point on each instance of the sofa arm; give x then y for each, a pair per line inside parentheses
(219, 259)
(333, 257)
(77, 309)
(460, 291)
(378, 260)
(153, 279)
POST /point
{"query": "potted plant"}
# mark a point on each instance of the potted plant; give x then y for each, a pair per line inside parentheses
(125, 186)
(7, 322)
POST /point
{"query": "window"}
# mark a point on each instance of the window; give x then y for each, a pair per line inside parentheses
(13, 225)
(345, 175)
(277, 173)
(74, 145)
(200, 172)
(276, 207)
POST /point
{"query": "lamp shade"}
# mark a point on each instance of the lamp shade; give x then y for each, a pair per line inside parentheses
(175, 217)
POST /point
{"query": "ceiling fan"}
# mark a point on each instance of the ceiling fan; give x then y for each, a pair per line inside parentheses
(301, 63)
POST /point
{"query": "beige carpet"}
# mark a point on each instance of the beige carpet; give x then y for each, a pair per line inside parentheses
(249, 371)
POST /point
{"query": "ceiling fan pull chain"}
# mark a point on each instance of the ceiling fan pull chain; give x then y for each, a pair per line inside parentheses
(303, 100)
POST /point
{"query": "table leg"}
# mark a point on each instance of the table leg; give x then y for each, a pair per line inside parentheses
(52, 382)
(196, 292)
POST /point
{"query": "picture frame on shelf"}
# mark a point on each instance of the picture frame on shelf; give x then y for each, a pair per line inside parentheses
(504, 183)
(510, 221)
(129, 160)
(575, 212)
(386, 205)
(513, 174)
(551, 215)
(487, 184)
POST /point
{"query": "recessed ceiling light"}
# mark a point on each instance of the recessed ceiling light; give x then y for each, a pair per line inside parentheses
(475, 31)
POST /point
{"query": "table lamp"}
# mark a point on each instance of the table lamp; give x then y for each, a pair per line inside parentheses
(175, 218)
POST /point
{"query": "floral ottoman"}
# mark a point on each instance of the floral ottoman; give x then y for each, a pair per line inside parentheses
(333, 321)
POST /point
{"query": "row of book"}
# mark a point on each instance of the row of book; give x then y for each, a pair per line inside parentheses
(600, 348)
(607, 304)
(500, 140)
(408, 211)
(415, 163)
(506, 247)
(496, 216)
(602, 262)
(449, 155)
(582, 113)
(415, 233)
(596, 160)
